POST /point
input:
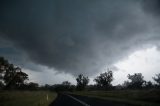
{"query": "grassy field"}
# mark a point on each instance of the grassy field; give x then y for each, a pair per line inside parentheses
(26, 98)
(135, 97)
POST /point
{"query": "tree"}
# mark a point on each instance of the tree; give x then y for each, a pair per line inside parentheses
(3, 67)
(148, 85)
(136, 80)
(20, 77)
(11, 75)
(157, 79)
(3, 64)
(14, 77)
(66, 85)
(104, 80)
(33, 86)
(82, 82)
(126, 84)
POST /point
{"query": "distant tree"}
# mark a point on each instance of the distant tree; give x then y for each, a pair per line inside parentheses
(157, 79)
(126, 84)
(33, 86)
(136, 81)
(46, 87)
(66, 85)
(82, 81)
(148, 84)
(72, 88)
(58, 87)
(118, 87)
(104, 80)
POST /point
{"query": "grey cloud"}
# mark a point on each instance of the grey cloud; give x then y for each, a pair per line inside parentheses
(152, 7)
(77, 36)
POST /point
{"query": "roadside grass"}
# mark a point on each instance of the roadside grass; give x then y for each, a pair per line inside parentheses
(26, 98)
(133, 97)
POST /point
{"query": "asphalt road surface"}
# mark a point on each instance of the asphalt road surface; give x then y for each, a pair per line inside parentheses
(76, 100)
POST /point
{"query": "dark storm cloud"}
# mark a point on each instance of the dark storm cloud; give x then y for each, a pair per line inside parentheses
(151, 6)
(77, 36)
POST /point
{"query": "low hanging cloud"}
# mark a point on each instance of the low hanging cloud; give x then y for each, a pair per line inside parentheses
(79, 36)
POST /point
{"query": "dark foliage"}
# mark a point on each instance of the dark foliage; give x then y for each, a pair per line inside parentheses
(11, 76)
(137, 81)
(103, 81)
(157, 79)
(82, 82)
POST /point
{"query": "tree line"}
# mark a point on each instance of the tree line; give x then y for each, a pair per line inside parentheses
(104, 82)
(12, 77)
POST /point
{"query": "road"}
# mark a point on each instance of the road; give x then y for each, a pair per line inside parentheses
(76, 100)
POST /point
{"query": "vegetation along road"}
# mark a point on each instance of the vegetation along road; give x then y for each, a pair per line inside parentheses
(26, 98)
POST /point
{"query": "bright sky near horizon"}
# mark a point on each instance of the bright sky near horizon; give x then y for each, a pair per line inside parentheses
(145, 61)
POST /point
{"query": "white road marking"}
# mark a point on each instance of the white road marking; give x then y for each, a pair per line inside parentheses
(47, 97)
(85, 104)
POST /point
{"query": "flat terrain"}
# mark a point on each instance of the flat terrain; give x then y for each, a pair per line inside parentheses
(81, 98)
(131, 97)
(26, 98)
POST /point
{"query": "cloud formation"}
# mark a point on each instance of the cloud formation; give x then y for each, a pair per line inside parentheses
(79, 36)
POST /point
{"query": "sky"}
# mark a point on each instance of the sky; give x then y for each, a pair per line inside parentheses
(55, 40)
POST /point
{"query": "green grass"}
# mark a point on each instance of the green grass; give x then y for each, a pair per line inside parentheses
(134, 97)
(26, 98)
